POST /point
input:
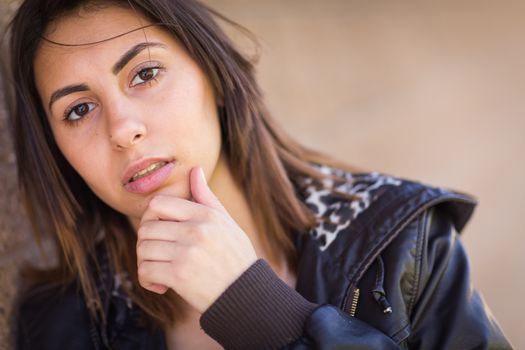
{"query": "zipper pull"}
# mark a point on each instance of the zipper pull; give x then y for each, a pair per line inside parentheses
(379, 293)
(382, 301)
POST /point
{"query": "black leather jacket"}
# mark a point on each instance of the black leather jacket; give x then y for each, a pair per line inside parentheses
(386, 269)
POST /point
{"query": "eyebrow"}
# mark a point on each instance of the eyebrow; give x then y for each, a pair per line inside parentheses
(66, 91)
(131, 53)
(117, 67)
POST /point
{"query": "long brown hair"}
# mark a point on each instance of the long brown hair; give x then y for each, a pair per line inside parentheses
(267, 164)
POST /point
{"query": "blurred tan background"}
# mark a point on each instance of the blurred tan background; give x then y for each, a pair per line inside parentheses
(429, 90)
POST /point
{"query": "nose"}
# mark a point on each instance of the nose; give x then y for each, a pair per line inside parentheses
(126, 133)
(126, 130)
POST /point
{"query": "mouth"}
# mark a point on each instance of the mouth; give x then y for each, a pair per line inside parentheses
(147, 175)
(145, 172)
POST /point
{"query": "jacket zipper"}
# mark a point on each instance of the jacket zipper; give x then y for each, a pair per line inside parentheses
(355, 300)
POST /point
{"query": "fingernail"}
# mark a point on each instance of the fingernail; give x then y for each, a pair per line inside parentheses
(202, 175)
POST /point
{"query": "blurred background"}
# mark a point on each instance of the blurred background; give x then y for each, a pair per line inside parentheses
(428, 90)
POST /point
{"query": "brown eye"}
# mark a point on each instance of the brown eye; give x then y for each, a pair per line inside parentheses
(81, 110)
(145, 75)
(78, 111)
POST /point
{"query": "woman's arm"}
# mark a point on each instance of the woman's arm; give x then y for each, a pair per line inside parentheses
(259, 311)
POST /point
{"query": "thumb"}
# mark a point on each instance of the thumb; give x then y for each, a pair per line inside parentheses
(200, 191)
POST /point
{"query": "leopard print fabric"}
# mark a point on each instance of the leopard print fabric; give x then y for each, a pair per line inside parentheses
(335, 214)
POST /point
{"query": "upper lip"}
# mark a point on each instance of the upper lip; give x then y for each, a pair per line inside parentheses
(139, 165)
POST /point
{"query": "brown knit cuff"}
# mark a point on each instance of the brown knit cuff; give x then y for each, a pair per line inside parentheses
(257, 311)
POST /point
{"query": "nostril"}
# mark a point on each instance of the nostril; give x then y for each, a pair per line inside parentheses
(136, 138)
(127, 139)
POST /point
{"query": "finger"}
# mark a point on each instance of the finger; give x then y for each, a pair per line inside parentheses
(200, 190)
(152, 274)
(157, 288)
(164, 231)
(170, 208)
(156, 251)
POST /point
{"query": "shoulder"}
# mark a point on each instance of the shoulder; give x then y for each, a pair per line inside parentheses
(374, 234)
(52, 317)
(371, 204)
(361, 216)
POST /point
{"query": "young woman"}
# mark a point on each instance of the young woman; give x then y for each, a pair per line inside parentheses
(185, 219)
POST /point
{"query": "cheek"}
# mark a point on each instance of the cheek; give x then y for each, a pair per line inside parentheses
(94, 169)
(85, 157)
(86, 165)
(186, 109)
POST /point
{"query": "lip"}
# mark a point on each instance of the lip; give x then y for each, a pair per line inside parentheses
(150, 182)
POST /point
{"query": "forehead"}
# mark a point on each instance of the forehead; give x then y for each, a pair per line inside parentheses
(112, 29)
(88, 25)
(57, 66)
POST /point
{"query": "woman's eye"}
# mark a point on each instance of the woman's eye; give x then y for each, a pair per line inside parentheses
(145, 75)
(79, 111)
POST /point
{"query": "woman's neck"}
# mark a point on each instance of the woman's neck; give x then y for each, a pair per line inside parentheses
(232, 197)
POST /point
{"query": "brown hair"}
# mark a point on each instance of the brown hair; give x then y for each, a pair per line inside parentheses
(59, 203)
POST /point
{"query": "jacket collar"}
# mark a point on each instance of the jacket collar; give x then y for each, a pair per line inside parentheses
(351, 234)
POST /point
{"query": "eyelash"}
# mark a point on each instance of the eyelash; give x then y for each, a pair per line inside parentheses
(152, 66)
(74, 122)
(156, 68)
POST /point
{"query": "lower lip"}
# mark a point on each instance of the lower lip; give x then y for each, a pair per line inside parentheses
(152, 181)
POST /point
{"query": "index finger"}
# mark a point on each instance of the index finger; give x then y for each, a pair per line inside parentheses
(170, 208)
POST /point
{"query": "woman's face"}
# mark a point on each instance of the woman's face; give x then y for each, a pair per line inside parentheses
(132, 115)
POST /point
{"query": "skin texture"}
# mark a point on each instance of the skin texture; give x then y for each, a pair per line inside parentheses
(173, 115)
(188, 239)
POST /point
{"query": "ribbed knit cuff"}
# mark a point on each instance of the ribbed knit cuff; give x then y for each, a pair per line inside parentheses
(257, 311)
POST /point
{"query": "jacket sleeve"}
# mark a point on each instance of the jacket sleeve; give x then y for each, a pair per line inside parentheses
(259, 311)
(448, 313)
(329, 328)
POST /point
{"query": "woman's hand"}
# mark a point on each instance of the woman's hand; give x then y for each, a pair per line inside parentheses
(195, 248)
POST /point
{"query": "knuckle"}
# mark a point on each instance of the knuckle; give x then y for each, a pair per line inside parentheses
(194, 230)
(199, 233)
(142, 233)
(139, 250)
(140, 247)
(210, 214)
(155, 203)
(142, 270)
